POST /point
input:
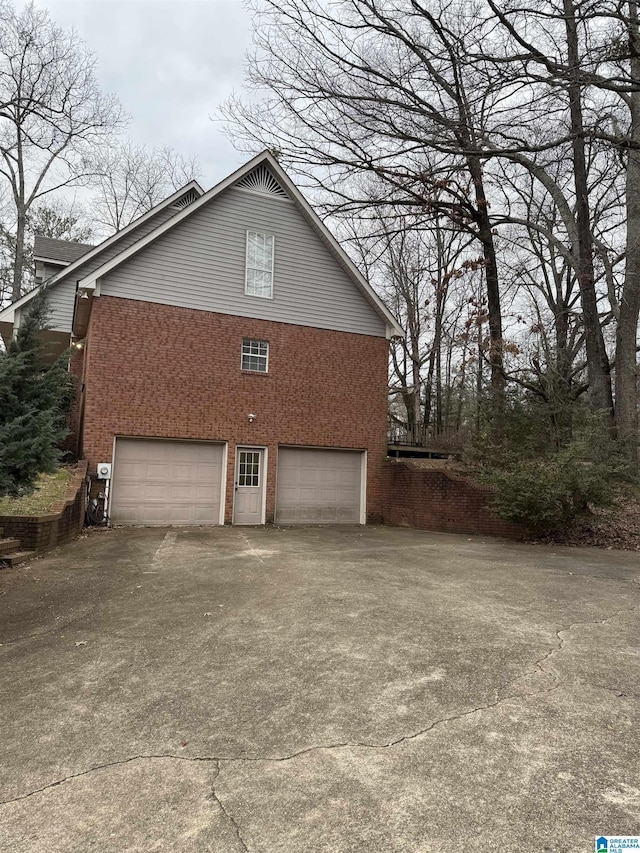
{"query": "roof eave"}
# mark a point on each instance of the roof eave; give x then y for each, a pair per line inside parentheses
(8, 313)
(55, 261)
(392, 327)
(192, 185)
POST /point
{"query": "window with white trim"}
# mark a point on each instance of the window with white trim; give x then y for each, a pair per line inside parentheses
(255, 355)
(259, 271)
(249, 468)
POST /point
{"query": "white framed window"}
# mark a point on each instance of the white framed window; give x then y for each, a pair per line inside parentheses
(259, 265)
(255, 355)
(249, 468)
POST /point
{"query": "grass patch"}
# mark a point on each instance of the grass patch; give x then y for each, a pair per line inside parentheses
(49, 489)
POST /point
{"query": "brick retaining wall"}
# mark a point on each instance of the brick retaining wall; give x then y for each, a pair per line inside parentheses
(61, 523)
(439, 499)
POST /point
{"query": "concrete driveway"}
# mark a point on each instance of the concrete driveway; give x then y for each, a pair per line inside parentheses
(318, 690)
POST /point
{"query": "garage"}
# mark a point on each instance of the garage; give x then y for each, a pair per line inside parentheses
(320, 486)
(158, 482)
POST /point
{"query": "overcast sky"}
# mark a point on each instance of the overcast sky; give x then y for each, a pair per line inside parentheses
(171, 63)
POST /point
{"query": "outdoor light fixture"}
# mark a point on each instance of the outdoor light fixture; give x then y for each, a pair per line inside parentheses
(252, 417)
(84, 294)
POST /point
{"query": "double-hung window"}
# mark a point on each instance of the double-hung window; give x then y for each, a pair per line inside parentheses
(259, 271)
(255, 355)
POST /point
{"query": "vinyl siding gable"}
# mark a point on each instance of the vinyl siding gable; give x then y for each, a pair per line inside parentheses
(200, 264)
(61, 297)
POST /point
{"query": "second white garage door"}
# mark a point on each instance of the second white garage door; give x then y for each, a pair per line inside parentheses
(317, 486)
(159, 482)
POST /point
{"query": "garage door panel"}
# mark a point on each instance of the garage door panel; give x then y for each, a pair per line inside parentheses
(317, 486)
(160, 482)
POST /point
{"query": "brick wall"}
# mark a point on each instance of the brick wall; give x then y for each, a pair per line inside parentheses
(438, 499)
(60, 524)
(160, 371)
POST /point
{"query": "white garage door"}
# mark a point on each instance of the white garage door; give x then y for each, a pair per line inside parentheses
(166, 482)
(318, 486)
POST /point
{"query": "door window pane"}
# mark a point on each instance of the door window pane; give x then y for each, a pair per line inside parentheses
(249, 468)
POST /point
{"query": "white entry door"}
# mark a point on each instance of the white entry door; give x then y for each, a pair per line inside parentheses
(249, 486)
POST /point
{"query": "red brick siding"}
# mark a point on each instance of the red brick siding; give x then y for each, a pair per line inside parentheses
(440, 500)
(157, 370)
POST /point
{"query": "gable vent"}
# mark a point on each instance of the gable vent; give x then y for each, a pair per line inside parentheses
(186, 200)
(260, 180)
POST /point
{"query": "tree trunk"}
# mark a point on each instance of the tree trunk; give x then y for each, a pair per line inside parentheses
(18, 260)
(485, 235)
(437, 344)
(560, 392)
(416, 385)
(598, 367)
(428, 392)
(479, 382)
(626, 371)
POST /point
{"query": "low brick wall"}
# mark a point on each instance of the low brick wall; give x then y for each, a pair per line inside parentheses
(61, 523)
(439, 499)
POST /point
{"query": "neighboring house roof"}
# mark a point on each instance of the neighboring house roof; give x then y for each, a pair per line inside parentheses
(8, 313)
(59, 251)
(89, 282)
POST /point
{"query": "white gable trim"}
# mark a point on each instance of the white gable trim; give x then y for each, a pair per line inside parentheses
(7, 315)
(53, 261)
(392, 326)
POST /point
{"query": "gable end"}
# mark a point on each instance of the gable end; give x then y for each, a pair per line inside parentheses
(185, 200)
(261, 180)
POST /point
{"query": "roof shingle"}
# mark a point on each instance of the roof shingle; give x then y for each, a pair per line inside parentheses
(64, 251)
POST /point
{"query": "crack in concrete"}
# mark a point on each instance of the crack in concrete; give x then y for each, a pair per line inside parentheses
(253, 551)
(617, 691)
(573, 625)
(224, 811)
(538, 666)
(104, 766)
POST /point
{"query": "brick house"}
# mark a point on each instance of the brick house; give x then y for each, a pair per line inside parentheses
(231, 360)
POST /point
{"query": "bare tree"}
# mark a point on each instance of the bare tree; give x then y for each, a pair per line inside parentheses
(382, 89)
(55, 218)
(560, 57)
(626, 366)
(133, 179)
(585, 58)
(52, 114)
(439, 101)
(422, 273)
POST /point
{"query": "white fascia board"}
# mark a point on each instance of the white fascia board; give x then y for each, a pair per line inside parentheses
(393, 329)
(7, 314)
(51, 261)
(192, 185)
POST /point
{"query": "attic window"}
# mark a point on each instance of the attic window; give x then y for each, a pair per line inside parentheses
(260, 180)
(186, 200)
